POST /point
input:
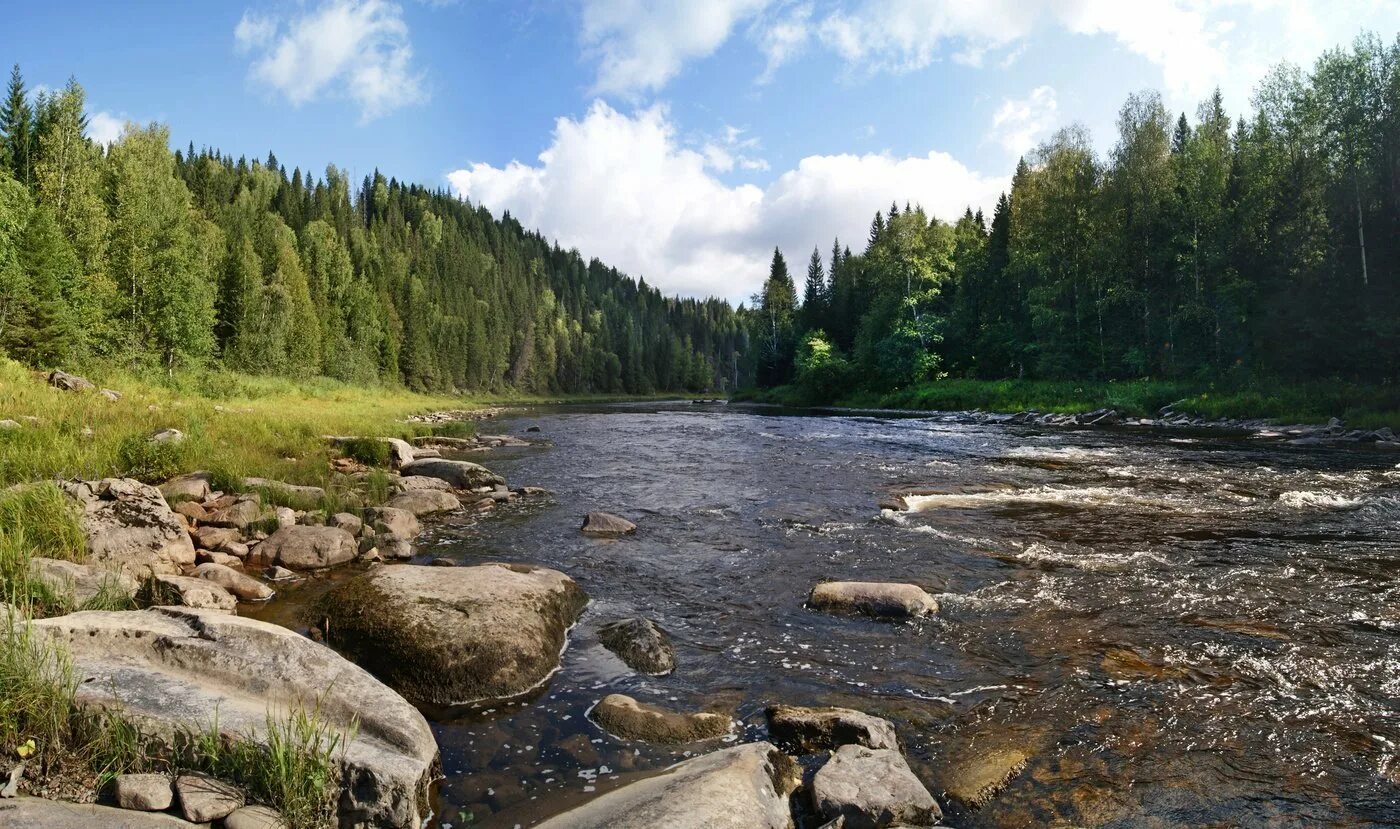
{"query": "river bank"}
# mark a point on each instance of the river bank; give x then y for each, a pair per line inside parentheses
(1312, 404)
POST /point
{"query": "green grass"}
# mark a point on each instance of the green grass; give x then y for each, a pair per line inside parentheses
(38, 520)
(1364, 407)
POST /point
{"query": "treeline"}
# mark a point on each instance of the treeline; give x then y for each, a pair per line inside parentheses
(1200, 249)
(152, 258)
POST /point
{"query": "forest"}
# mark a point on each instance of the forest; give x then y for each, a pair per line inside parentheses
(156, 261)
(1202, 249)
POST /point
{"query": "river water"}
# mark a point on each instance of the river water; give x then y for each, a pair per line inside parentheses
(1176, 628)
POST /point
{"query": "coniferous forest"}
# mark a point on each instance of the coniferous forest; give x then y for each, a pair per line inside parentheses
(146, 258)
(1204, 248)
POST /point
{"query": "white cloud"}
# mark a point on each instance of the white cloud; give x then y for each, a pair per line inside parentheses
(105, 128)
(358, 49)
(783, 38)
(1019, 123)
(623, 188)
(640, 45)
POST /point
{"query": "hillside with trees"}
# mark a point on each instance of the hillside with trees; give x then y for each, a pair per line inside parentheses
(1202, 249)
(137, 256)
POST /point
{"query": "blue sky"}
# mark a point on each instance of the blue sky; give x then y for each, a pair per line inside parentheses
(677, 140)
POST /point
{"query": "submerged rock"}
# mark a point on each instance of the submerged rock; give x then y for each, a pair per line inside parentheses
(810, 730)
(129, 525)
(977, 778)
(884, 600)
(872, 788)
(622, 716)
(606, 524)
(641, 643)
(168, 671)
(450, 635)
(309, 548)
(460, 474)
(744, 787)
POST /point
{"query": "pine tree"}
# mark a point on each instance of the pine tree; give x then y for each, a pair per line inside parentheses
(815, 295)
(17, 131)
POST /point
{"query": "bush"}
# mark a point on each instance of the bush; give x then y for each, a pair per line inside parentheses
(822, 372)
(148, 461)
(368, 451)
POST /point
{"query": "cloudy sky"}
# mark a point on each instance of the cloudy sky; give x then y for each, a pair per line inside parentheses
(679, 140)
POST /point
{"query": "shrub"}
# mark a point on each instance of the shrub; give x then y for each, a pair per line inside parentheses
(368, 451)
(148, 461)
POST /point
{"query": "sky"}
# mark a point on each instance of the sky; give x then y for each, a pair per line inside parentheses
(678, 140)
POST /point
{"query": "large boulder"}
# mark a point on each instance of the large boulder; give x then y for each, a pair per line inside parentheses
(451, 635)
(460, 474)
(411, 483)
(622, 716)
(882, 600)
(33, 813)
(809, 730)
(396, 522)
(128, 525)
(606, 525)
(244, 586)
(424, 502)
(871, 788)
(169, 670)
(69, 382)
(400, 452)
(309, 548)
(744, 787)
(78, 584)
(246, 510)
(641, 643)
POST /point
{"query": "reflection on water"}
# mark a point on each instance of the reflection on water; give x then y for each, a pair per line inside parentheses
(1176, 630)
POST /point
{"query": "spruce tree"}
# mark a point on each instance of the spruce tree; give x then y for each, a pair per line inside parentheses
(17, 131)
(815, 295)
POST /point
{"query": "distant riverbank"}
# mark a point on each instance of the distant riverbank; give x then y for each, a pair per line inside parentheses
(1365, 407)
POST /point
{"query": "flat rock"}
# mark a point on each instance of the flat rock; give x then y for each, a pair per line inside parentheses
(977, 777)
(883, 600)
(744, 787)
(255, 817)
(128, 525)
(622, 716)
(170, 669)
(641, 643)
(309, 548)
(193, 486)
(33, 813)
(606, 524)
(424, 502)
(143, 792)
(188, 591)
(801, 730)
(203, 799)
(78, 584)
(412, 483)
(244, 586)
(460, 474)
(870, 788)
(451, 635)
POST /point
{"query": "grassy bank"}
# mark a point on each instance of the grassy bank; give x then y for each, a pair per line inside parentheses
(1367, 407)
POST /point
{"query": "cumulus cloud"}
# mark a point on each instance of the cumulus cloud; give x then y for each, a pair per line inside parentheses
(1019, 123)
(640, 45)
(356, 49)
(624, 188)
(104, 128)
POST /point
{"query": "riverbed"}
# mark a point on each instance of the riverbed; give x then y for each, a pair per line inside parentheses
(1173, 628)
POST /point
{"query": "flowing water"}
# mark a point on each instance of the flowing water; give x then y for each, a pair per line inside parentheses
(1176, 629)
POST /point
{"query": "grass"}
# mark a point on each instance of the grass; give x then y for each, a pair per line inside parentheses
(38, 520)
(1365, 407)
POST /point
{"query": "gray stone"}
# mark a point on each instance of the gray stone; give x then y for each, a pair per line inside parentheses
(245, 510)
(453, 635)
(424, 502)
(167, 436)
(395, 521)
(460, 474)
(871, 788)
(69, 382)
(243, 586)
(286, 516)
(169, 670)
(309, 548)
(212, 538)
(78, 584)
(810, 730)
(606, 524)
(348, 522)
(744, 787)
(129, 525)
(226, 559)
(412, 483)
(203, 799)
(7, 424)
(143, 792)
(188, 592)
(401, 453)
(622, 716)
(111, 394)
(33, 813)
(641, 643)
(255, 817)
(884, 600)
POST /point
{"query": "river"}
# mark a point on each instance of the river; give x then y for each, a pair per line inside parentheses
(1175, 628)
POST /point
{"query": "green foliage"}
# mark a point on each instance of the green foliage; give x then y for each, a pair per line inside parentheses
(47, 518)
(822, 373)
(368, 451)
(455, 429)
(36, 692)
(149, 461)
